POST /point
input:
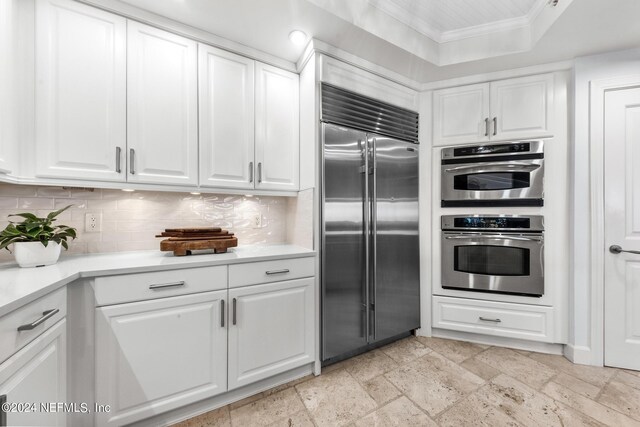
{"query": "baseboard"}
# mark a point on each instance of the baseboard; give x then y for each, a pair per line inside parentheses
(193, 410)
(578, 354)
(540, 347)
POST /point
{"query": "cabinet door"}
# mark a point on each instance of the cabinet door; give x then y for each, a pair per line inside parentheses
(162, 102)
(271, 330)
(154, 356)
(461, 114)
(226, 89)
(8, 118)
(80, 91)
(522, 107)
(277, 129)
(37, 374)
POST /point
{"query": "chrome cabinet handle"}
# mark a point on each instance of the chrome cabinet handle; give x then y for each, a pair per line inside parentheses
(486, 126)
(283, 271)
(234, 310)
(222, 313)
(3, 413)
(259, 172)
(118, 155)
(250, 171)
(487, 319)
(167, 285)
(132, 161)
(46, 315)
(374, 235)
(615, 249)
(495, 126)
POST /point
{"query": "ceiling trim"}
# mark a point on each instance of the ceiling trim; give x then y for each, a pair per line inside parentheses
(423, 27)
(202, 36)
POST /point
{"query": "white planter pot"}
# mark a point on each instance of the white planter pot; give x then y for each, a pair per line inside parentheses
(35, 254)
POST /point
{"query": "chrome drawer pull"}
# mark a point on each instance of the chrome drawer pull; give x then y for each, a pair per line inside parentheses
(486, 319)
(283, 271)
(234, 311)
(222, 313)
(46, 315)
(167, 285)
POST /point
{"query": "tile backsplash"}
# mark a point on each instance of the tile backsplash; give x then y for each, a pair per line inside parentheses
(131, 220)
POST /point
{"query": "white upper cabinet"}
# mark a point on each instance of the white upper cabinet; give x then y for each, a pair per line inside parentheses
(502, 110)
(80, 91)
(277, 129)
(461, 114)
(522, 107)
(7, 104)
(226, 101)
(162, 103)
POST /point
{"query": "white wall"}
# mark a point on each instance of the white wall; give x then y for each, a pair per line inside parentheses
(586, 70)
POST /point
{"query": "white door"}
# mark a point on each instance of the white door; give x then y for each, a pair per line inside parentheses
(37, 374)
(270, 330)
(226, 99)
(461, 114)
(522, 107)
(162, 107)
(8, 117)
(80, 91)
(277, 129)
(158, 355)
(622, 228)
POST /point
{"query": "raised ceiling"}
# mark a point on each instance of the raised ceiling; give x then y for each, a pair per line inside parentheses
(446, 20)
(584, 27)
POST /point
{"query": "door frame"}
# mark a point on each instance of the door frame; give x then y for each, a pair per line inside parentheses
(597, 91)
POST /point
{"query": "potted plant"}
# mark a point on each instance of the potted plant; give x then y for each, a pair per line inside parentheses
(36, 241)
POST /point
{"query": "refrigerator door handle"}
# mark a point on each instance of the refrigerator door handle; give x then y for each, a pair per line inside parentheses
(367, 220)
(374, 239)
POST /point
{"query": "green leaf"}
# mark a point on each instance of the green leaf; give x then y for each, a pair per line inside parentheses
(54, 214)
(65, 245)
(26, 215)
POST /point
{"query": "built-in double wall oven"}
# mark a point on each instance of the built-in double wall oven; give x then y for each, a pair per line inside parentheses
(498, 253)
(502, 174)
(493, 253)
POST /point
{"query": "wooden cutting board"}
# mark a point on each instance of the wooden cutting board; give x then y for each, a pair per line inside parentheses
(184, 247)
(194, 230)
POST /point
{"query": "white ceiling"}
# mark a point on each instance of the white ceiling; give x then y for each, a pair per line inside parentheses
(586, 27)
(444, 20)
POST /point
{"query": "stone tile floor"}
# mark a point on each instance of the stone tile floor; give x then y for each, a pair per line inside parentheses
(436, 382)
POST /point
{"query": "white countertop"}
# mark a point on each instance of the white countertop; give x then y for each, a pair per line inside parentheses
(19, 286)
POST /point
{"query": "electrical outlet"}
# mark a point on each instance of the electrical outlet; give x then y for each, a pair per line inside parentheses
(256, 220)
(92, 222)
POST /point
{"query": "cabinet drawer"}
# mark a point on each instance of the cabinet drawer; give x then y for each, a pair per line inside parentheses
(30, 318)
(160, 284)
(270, 271)
(520, 321)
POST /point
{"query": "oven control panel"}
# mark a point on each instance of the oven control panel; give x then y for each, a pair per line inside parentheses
(495, 222)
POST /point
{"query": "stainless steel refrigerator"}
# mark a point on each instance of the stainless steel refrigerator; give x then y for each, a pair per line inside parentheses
(370, 254)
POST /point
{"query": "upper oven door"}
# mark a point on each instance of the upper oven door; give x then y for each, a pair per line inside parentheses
(493, 262)
(516, 182)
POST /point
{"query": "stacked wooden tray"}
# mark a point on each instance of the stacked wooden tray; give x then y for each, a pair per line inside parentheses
(184, 240)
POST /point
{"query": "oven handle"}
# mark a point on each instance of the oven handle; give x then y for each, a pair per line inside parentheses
(493, 167)
(526, 239)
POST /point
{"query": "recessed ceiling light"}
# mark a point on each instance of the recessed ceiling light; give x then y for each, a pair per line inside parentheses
(128, 190)
(195, 193)
(297, 37)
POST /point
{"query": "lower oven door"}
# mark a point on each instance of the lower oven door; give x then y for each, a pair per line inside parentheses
(505, 183)
(493, 262)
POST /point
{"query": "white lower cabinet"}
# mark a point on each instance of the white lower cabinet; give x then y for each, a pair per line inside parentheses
(271, 329)
(154, 356)
(521, 321)
(36, 375)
